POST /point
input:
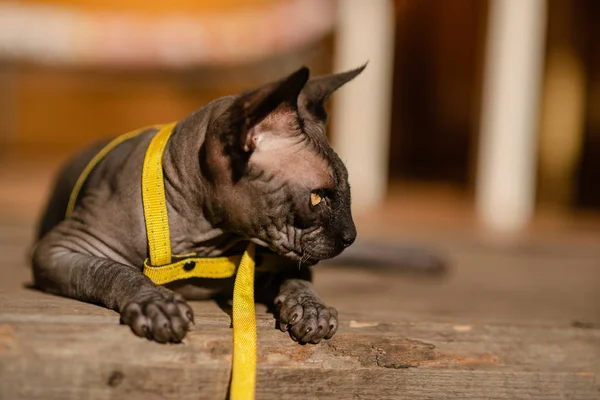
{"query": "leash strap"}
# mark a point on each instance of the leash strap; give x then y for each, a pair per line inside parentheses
(243, 375)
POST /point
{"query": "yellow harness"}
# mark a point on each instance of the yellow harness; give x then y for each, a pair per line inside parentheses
(161, 269)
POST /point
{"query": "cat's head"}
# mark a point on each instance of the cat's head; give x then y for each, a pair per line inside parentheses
(275, 178)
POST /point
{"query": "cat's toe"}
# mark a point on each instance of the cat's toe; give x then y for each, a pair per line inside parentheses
(332, 323)
(290, 312)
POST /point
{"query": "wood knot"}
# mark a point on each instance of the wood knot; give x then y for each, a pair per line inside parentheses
(115, 378)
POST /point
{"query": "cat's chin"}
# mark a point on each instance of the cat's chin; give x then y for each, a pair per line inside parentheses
(301, 259)
(307, 259)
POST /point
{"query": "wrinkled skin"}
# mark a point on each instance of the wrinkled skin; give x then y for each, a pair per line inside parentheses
(256, 166)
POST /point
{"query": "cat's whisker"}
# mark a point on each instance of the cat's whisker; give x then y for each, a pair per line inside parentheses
(305, 256)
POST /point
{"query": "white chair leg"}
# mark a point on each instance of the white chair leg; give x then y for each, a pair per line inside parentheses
(505, 187)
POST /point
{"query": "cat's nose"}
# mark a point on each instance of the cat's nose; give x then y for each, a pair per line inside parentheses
(348, 237)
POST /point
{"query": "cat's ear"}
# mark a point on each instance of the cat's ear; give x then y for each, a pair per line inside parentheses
(318, 90)
(249, 108)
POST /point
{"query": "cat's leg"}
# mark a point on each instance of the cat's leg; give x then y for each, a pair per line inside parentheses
(61, 266)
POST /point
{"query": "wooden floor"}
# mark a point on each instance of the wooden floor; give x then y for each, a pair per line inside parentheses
(513, 319)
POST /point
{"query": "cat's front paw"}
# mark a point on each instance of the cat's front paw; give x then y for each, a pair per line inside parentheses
(160, 317)
(305, 317)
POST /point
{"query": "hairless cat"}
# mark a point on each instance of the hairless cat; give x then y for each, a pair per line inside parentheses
(256, 167)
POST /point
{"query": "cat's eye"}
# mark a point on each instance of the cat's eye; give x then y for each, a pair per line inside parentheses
(320, 196)
(315, 199)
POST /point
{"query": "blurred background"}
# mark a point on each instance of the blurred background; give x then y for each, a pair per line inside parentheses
(466, 117)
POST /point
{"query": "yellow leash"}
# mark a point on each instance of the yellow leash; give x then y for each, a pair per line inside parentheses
(161, 268)
(243, 374)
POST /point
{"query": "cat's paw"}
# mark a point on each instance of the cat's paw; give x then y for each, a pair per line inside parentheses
(160, 317)
(305, 317)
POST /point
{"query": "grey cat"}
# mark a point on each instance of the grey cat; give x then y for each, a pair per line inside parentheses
(242, 168)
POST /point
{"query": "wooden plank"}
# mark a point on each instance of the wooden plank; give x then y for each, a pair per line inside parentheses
(76, 350)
